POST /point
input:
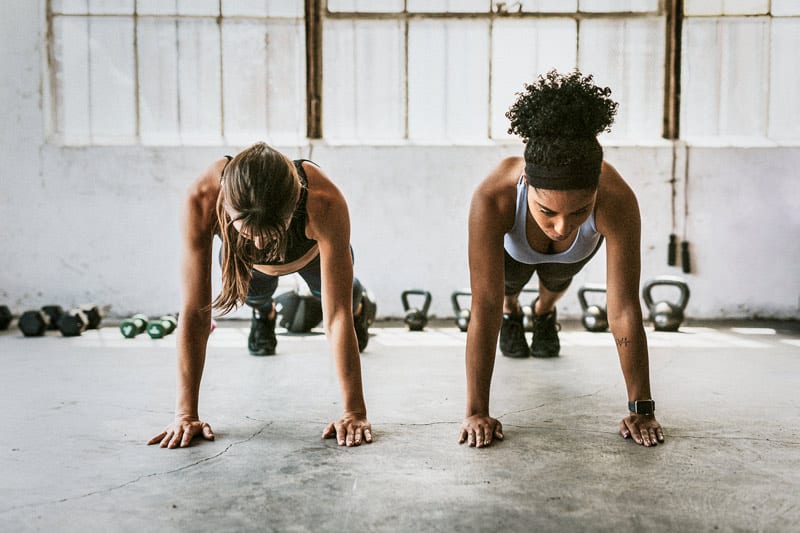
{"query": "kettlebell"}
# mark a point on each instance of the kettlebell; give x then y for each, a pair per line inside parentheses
(462, 315)
(595, 318)
(528, 310)
(665, 315)
(416, 318)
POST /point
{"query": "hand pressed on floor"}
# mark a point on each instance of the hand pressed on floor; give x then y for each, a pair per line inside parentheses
(643, 429)
(350, 430)
(181, 431)
(480, 430)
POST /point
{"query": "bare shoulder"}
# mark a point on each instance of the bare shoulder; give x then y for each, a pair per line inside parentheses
(325, 202)
(201, 199)
(494, 199)
(616, 202)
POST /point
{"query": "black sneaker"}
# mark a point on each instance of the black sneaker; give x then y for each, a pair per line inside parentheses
(262, 339)
(364, 320)
(545, 335)
(512, 337)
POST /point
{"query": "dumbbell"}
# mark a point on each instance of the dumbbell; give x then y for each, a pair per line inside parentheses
(416, 318)
(666, 315)
(5, 317)
(162, 327)
(35, 323)
(462, 314)
(73, 323)
(133, 326)
(595, 317)
(93, 314)
(528, 311)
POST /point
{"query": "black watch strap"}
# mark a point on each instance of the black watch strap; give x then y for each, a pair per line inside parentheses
(642, 407)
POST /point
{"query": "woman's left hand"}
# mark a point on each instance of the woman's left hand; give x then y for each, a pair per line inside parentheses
(350, 430)
(643, 429)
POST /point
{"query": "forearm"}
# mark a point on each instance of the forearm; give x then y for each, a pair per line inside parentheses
(191, 346)
(348, 362)
(631, 341)
(480, 357)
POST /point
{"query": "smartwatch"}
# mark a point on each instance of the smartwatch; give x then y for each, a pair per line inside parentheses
(642, 407)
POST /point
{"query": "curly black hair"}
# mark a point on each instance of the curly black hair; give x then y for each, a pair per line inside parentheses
(559, 116)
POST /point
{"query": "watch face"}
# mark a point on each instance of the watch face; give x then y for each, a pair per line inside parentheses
(642, 407)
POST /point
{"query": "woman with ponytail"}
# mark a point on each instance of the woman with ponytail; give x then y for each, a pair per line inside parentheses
(274, 216)
(549, 212)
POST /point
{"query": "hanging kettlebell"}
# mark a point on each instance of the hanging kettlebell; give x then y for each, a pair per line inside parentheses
(665, 315)
(462, 314)
(528, 310)
(416, 318)
(595, 317)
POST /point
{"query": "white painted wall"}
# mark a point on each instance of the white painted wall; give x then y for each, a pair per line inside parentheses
(101, 223)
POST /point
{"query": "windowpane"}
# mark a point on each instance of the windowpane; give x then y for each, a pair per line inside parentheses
(451, 6)
(158, 81)
(71, 7)
(550, 6)
(364, 87)
(366, 6)
(623, 6)
(199, 81)
(72, 78)
(627, 55)
(784, 80)
(198, 7)
(785, 7)
(448, 71)
(264, 87)
(263, 8)
(157, 7)
(521, 51)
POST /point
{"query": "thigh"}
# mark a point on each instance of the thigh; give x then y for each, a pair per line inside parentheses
(517, 274)
(556, 277)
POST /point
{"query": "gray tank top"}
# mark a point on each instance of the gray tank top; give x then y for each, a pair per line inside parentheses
(516, 240)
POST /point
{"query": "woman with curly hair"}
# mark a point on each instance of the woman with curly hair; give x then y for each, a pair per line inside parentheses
(549, 212)
(275, 216)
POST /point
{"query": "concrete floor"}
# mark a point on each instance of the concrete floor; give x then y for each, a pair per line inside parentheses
(76, 414)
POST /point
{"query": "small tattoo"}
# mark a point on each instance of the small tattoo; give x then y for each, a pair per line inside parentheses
(623, 341)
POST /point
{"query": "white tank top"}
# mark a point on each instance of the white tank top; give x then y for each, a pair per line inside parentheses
(516, 240)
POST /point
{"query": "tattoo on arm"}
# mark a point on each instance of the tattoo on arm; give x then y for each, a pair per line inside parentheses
(622, 341)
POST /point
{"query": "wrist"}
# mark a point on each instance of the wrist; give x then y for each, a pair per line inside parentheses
(642, 407)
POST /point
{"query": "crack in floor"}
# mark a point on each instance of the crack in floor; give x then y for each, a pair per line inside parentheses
(142, 477)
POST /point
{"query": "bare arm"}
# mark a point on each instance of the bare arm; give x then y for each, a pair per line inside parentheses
(489, 219)
(327, 204)
(195, 317)
(618, 219)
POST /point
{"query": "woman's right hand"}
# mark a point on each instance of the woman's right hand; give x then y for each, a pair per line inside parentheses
(480, 430)
(181, 432)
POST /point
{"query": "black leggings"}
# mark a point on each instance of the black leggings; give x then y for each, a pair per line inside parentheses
(263, 286)
(555, 277)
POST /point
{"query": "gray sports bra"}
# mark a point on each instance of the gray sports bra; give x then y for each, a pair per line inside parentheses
(516, 240)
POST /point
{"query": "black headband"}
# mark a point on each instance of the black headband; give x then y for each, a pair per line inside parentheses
(577, 175)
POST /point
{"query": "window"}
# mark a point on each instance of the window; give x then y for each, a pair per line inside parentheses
(171, 72)
(178, 72)
(447, 70)
(740, 69)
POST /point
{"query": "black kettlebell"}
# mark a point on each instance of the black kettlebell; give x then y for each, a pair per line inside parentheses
(665, 315)
(416, 318)
(462, 314)
(595, 317)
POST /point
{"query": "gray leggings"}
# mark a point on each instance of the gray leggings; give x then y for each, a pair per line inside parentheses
(554, 277)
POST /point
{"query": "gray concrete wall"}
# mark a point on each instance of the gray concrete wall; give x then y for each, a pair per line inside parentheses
(100, 223)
